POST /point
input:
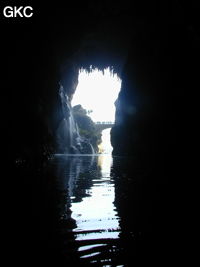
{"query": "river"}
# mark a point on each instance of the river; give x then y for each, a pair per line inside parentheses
(88, 214)
(92, 210)
(104, 215)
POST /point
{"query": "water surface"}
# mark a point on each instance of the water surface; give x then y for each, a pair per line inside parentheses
(89, 212)
(110, 212)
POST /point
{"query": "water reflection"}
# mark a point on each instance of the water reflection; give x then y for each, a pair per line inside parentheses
(95, 214)
(87, 209)
(105, 146)
(110, 212)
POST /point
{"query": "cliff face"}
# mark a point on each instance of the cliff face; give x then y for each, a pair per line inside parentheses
(87, 129)
(67, 134)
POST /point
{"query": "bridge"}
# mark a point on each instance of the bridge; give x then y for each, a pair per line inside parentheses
(102, 125)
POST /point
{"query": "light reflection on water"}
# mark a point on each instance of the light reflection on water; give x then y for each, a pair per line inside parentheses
(109, 212)
(97, 211)
(90, 193)
(105, 146)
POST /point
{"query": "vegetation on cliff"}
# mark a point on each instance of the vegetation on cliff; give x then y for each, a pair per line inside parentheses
(86, 126)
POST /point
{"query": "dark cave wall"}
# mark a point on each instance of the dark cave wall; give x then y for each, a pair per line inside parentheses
(152, 47)
(144, 102)
(40, 55)
(154, 104)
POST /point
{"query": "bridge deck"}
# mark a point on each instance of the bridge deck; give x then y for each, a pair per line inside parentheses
(100, 126)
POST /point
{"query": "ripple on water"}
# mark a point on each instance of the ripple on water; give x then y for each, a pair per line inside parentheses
(91, 204)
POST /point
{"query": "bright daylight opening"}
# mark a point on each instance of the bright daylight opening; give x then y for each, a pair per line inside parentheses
(97, 92)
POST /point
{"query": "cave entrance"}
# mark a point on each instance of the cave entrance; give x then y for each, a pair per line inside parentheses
(95, 97)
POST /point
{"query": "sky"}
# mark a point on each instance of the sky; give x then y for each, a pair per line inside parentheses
(98, 92)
